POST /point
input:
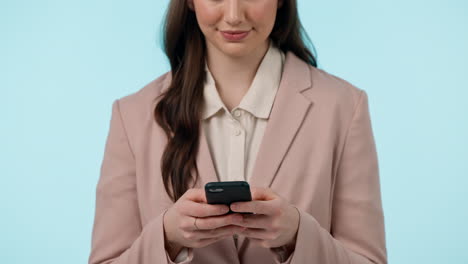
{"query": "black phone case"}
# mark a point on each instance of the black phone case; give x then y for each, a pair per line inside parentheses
(228, 192)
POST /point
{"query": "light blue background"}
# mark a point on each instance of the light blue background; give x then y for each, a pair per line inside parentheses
(62, 63)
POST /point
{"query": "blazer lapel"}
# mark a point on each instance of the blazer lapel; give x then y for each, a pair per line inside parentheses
(288, 112)
(287, 115)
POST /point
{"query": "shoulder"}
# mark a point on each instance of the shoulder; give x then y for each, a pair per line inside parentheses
(323, 88)
(137, 108)
(329, 90)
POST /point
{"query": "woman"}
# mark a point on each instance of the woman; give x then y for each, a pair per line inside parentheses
(250, 106)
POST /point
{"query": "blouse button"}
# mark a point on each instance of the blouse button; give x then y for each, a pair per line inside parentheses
(237, 113)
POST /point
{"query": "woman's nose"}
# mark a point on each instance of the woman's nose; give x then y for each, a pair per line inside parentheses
(233, 13)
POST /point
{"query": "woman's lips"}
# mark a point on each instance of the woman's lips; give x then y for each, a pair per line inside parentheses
(234, 35)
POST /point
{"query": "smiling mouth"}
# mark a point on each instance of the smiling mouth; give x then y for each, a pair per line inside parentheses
(234, 31)
(234, 35)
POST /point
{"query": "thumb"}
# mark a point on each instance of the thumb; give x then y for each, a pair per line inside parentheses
(264, 194)
(196, 195)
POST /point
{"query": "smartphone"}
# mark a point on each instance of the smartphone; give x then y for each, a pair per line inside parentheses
(227, 192)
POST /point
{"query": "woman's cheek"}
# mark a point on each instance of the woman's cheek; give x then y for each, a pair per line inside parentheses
(208, 15)
(263, 19)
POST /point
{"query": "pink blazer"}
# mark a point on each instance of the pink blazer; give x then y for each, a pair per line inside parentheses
(318, 151)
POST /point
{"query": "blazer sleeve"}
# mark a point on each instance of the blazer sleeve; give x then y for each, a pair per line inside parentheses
(357, 229)
(118, 236)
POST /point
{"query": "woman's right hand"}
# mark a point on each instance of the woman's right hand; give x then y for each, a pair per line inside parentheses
(213, 223)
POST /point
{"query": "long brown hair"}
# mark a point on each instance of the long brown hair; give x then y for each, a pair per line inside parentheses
(179, 110)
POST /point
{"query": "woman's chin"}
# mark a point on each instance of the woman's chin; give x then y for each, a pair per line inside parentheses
(235, 51)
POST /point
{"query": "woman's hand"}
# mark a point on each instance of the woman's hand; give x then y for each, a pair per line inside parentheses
(274, 223)
(211, 220)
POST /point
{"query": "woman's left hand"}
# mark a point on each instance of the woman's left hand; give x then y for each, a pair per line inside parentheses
(275, 221)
